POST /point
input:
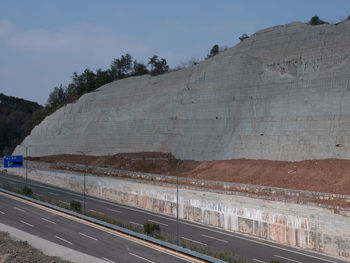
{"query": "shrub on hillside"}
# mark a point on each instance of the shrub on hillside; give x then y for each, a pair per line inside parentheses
(151, 228)
(315, 20)
(27, 191)
(75, 205)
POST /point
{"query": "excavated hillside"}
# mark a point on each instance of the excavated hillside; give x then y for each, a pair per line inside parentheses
(282, 94)
(327, 175)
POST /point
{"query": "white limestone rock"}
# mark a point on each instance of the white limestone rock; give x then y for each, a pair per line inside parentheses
(282, 94)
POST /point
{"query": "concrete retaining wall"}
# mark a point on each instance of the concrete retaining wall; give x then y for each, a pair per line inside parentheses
(308, 227)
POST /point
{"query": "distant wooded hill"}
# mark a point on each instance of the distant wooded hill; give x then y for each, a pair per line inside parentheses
(16, 121)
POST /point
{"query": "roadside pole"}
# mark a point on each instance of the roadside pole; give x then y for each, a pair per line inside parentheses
(177, 203)
(84, 187)
(177, 209)
(26, 164)
(84, 174)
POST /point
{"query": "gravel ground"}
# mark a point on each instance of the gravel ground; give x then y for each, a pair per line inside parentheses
(13, 251)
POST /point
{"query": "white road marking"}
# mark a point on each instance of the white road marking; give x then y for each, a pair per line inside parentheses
(27, 223)
(108, 260)
(60, 238)
(194, 241)
(94, 211)
(160, 223)
(277, 256)
(1, 212)
(63, 202)
(218, 239)
(87, 236)
(113, 210)
(145, 259)
(257, 260)
(47, 220)
(131, 222)
(51, 193)
(19, 209)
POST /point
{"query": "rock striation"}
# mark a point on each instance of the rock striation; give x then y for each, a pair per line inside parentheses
(282, 94)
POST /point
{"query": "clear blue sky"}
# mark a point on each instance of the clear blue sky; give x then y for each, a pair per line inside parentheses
(43, 42)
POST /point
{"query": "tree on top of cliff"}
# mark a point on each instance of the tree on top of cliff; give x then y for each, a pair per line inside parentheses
(125, 67)
(139, 69)
(122, 67)
(315, 20)
(214, 51)
(158, 66)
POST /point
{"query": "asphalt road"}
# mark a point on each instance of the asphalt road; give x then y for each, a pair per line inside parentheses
(76, 235)
(191, 234)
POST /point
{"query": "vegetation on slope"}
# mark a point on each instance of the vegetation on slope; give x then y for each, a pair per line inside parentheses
(16, 117)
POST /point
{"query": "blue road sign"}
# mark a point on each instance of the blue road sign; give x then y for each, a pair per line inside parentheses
(13, 161)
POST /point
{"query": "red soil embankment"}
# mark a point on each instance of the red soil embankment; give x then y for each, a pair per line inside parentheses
(329, 175)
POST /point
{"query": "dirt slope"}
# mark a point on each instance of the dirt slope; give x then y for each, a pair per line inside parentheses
(329, 175)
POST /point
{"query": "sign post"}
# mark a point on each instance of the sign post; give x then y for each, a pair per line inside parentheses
(13, 161)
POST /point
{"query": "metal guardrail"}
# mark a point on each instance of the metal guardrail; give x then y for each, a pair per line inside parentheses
(121, 229)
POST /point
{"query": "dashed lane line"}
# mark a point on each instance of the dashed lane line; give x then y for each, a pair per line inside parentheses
(157, 222)
(145, 259)
(19, 209)
(23, 222)
(47, 220)
(97, 212)
(63, 202)
(134, 223)
(113, 210)
(51, 193)
(60, 238)
(108, 260)
(88, 236)
(292, 260)
(191, 240)
(217, 239)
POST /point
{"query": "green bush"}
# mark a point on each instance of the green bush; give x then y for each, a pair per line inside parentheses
(27, 191)
(150, 228)
(75, 205)
(274, 261)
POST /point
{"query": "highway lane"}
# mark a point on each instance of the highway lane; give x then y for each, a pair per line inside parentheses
(193, 235)
(73, 234)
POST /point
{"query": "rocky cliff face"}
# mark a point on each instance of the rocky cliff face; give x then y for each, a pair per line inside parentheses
(282, 94)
